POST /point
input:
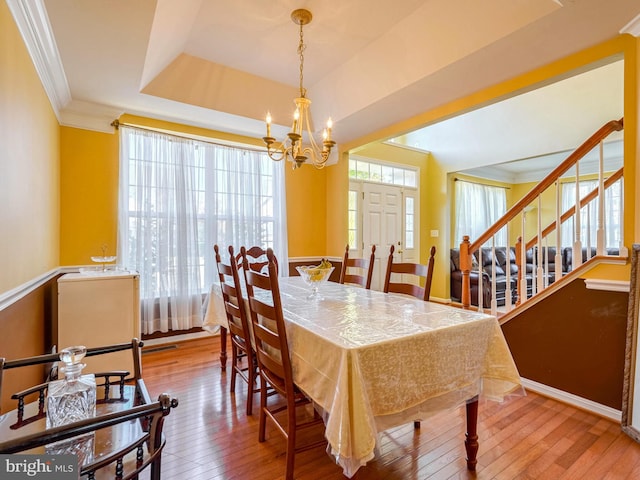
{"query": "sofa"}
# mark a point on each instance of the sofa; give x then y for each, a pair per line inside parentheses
(503, 263)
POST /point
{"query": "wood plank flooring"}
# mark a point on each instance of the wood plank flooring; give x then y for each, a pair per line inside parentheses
(209, 437)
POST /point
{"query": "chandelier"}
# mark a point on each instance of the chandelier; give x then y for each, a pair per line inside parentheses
(292, 147)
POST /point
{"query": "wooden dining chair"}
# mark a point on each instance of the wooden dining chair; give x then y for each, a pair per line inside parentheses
(274, 361)
(364, 265)
(423, 272)
(243, 360)
(257, 259)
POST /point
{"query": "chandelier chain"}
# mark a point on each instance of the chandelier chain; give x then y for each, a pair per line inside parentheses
(301, 47)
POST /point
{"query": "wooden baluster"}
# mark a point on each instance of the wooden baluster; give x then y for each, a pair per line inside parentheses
(600, 236)
(558, 259)
(41, 400)
(494, 300)
(534, 271)
(588, 230)
(546, 262)
(624, 251)
(480, 281)
(576, 261)
(465, 268)
(119, 469)
(508, 299)
(520, 262)
(540, 270)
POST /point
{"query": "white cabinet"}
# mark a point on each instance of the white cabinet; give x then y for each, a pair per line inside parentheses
(97, 309)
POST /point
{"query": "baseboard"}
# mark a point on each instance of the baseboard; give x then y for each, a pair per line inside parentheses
(444, 301)
(176, 338)
(574, 400)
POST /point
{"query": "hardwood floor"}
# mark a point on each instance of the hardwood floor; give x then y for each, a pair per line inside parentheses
(209, 437)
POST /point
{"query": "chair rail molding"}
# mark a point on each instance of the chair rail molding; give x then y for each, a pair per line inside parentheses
(608, 285)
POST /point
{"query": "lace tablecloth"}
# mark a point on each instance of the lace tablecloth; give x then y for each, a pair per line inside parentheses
(372, 360)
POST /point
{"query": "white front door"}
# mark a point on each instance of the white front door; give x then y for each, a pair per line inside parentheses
(385, 222)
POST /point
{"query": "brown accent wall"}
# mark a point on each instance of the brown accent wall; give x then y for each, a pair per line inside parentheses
(574, 340)
(27, 329)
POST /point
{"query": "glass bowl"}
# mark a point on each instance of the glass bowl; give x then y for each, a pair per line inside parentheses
(314, 276)
(104, 259)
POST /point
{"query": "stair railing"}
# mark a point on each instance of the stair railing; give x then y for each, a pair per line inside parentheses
(539, 280)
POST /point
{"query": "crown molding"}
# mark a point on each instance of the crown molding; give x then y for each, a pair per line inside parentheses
(33, 23)
(633, 27)
(89, 116)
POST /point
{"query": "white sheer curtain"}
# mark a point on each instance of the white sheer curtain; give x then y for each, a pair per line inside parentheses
(178, 197)
(477, 208)
(589, 214)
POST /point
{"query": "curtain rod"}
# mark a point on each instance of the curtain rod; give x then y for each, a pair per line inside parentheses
(117, 124)
(456, 179)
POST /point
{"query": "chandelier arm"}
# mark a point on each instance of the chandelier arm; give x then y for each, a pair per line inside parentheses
(273, 151)
(312, 141)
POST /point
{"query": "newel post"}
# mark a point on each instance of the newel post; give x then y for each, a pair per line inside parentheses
(465, 268)
(521, 273)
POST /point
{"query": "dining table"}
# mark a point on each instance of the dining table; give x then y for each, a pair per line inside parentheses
(371, 361)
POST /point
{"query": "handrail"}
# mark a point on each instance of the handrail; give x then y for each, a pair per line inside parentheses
(572, 210)
(604, 131)
(467, 248)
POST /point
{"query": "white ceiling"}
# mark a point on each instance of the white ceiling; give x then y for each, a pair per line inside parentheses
(523, 138)
(369, 64)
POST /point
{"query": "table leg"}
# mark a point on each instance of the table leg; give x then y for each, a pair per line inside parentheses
(471, 437)
(223, 348)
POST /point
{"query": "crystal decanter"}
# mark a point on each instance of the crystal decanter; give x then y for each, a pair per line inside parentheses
(70, 400)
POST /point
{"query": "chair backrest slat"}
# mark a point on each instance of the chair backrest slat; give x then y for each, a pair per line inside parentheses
(423, 272)
(366, 265)
(257, 257)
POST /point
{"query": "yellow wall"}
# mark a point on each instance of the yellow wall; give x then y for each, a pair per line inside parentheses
(88, 195)
(337, 187)
(306, 211)
(29, 165)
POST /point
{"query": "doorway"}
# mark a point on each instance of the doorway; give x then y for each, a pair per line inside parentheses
(384, 211)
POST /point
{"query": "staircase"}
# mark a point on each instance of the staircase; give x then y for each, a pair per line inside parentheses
(543, 264)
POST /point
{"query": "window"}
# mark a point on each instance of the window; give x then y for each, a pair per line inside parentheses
(379, 173)
(353, 219)
(409, 215)
(589, 214)
(477, 208)
(179, 197)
